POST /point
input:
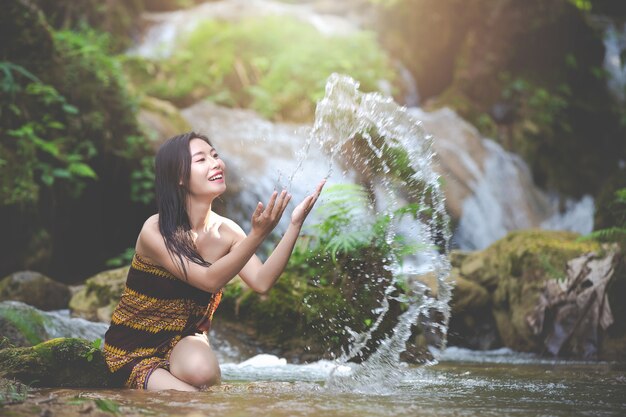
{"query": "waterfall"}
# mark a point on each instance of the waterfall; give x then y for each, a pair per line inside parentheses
(614, 62)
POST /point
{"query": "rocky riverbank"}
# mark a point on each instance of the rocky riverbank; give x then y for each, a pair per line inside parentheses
(533, 291)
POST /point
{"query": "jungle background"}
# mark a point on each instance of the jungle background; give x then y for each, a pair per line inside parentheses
(81, 117)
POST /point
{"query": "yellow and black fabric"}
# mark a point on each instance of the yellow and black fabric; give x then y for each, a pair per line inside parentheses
(155, 311)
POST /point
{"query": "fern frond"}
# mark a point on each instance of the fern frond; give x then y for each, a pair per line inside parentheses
(610, 234)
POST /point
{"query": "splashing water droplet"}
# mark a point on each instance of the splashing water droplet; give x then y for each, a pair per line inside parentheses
(379, 139)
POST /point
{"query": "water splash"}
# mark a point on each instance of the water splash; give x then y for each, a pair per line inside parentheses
(367, 130)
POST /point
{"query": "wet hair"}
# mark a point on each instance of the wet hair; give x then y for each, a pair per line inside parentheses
(172, 169)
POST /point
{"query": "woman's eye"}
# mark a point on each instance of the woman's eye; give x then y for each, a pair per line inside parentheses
(200, 160)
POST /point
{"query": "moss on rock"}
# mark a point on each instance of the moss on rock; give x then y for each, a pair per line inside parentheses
(22, 325)
(161, 120)
(295, 319)
(515, 270)
(62, 362)
(97, 299)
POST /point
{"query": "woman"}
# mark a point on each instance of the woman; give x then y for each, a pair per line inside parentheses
(184, 256)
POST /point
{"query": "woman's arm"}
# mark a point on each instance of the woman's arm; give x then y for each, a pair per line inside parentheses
(215, 276)
(260, 277)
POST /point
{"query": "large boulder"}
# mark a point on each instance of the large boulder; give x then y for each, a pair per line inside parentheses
(578, 316)
(160, 120)
(35, 289)
(471, 321)
(61, 362)
(514, 270)
(22, 325)
(97, 299)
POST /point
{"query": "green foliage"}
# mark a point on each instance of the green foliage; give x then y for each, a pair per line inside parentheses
(107, 405)
(584, 5)
(275, 65)
(124, 258)
(12, 392)
(54, 132)
(350, 228)
(615, 233)
(95, 347)
(37, 150)
(540, 109)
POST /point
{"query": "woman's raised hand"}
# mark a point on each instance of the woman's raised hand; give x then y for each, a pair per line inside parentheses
(265, 220)
(303, 209)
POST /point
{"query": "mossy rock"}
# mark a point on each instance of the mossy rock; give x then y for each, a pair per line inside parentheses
(99, 296)
(35, 289)
(21, 324)
(62, 362)
(515, 270)
(467, 295)
(161, 120)
(294, 319)
(613, 342)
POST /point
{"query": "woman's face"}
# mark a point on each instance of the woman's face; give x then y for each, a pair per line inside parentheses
(208, 172)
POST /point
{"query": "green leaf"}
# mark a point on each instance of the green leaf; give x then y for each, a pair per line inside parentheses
(108, 406)
(47, 179)
(96, 343)
(61, 173)
(68, 108)
(82, 170)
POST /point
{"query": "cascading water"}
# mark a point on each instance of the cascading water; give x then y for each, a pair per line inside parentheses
(614, 62)
(347, 119)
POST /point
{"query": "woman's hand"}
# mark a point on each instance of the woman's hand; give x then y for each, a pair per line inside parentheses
(265, 220)
(303, 209)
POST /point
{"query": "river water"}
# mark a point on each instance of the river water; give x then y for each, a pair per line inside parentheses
(463, 383)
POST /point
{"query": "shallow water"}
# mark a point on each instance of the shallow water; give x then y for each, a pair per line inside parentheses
(464, 383)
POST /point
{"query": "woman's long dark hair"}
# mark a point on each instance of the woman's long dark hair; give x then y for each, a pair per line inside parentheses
(172, 170)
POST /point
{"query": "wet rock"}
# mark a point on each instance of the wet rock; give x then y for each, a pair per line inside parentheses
(35, 289)
(62, 362)
(99, 296)
(161, 120)
(573, 314)
(457, 257)
(22, 325)
(467, 295)
(472, 324)
(523, 262)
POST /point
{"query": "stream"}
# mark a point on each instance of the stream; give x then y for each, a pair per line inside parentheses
(463, 383)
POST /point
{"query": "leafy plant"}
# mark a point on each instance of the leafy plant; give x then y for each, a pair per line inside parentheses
(350, 227)
(275, 65)
(123, 258)
(95, 347)
(50, 141)
(12, 392)
(615, 233)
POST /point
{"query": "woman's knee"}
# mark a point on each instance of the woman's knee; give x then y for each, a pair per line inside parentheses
(193, 361)
(201, 372)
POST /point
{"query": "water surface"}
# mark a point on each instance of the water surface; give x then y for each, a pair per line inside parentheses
(464, 383)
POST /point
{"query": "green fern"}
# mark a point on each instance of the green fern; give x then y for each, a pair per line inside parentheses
(350, 226)
(610, 234)
(616, 233)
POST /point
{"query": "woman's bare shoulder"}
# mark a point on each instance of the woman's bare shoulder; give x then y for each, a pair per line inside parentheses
(149, 238)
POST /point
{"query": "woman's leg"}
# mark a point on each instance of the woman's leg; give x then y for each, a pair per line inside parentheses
(161, 379)
(192, 361)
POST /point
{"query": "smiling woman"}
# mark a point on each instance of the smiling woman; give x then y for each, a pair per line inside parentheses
(184, 256)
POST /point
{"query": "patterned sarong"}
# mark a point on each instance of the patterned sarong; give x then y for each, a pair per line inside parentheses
(156, 311)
